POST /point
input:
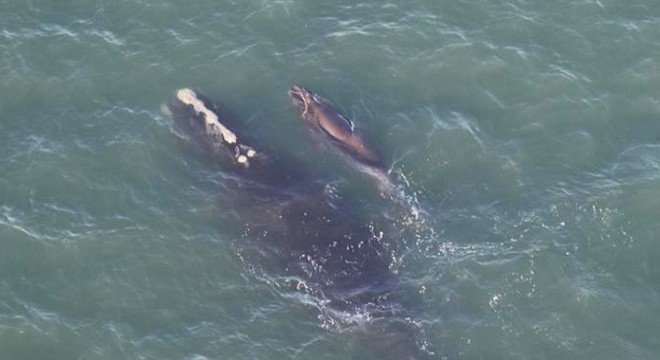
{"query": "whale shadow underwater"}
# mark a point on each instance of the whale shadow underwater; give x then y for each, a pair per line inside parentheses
(321, 240)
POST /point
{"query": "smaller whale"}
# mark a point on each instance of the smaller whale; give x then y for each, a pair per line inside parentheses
(321, 116)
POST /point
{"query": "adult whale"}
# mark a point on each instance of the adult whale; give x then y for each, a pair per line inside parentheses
(338, 253)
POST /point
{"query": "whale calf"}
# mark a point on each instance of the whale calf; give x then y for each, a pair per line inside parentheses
(320, 115)
(341, 133)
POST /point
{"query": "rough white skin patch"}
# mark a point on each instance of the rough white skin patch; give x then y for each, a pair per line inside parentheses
(251, 153)
(189, 97)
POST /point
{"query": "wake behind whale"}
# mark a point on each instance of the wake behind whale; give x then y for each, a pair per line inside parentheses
(321, 241)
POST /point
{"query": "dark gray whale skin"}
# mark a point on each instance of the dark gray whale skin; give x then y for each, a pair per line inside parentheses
(321, 241)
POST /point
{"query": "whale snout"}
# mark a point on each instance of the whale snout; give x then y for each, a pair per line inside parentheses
(301, 98)
(298, 91)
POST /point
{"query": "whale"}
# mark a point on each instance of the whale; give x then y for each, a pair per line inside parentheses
(336, 249)
(212, 128)
(339, 133)
(324, 118)
(320, 240)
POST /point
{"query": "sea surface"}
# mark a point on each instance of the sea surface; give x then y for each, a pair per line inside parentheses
(524, 135)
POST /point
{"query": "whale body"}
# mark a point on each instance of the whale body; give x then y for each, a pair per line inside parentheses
(321, 241)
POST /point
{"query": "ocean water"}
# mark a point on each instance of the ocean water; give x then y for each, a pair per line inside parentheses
(526, 134)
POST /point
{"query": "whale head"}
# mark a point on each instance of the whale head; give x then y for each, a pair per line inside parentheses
(303, 100)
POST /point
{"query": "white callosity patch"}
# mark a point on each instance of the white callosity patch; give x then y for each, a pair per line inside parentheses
(214, 127)
(189, 97)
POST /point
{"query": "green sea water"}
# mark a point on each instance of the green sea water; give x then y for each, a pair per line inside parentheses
(526, 133)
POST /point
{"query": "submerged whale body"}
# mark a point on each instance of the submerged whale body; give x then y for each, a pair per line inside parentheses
(322, 242)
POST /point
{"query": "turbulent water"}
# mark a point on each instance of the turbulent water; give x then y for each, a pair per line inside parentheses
(523, 137)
